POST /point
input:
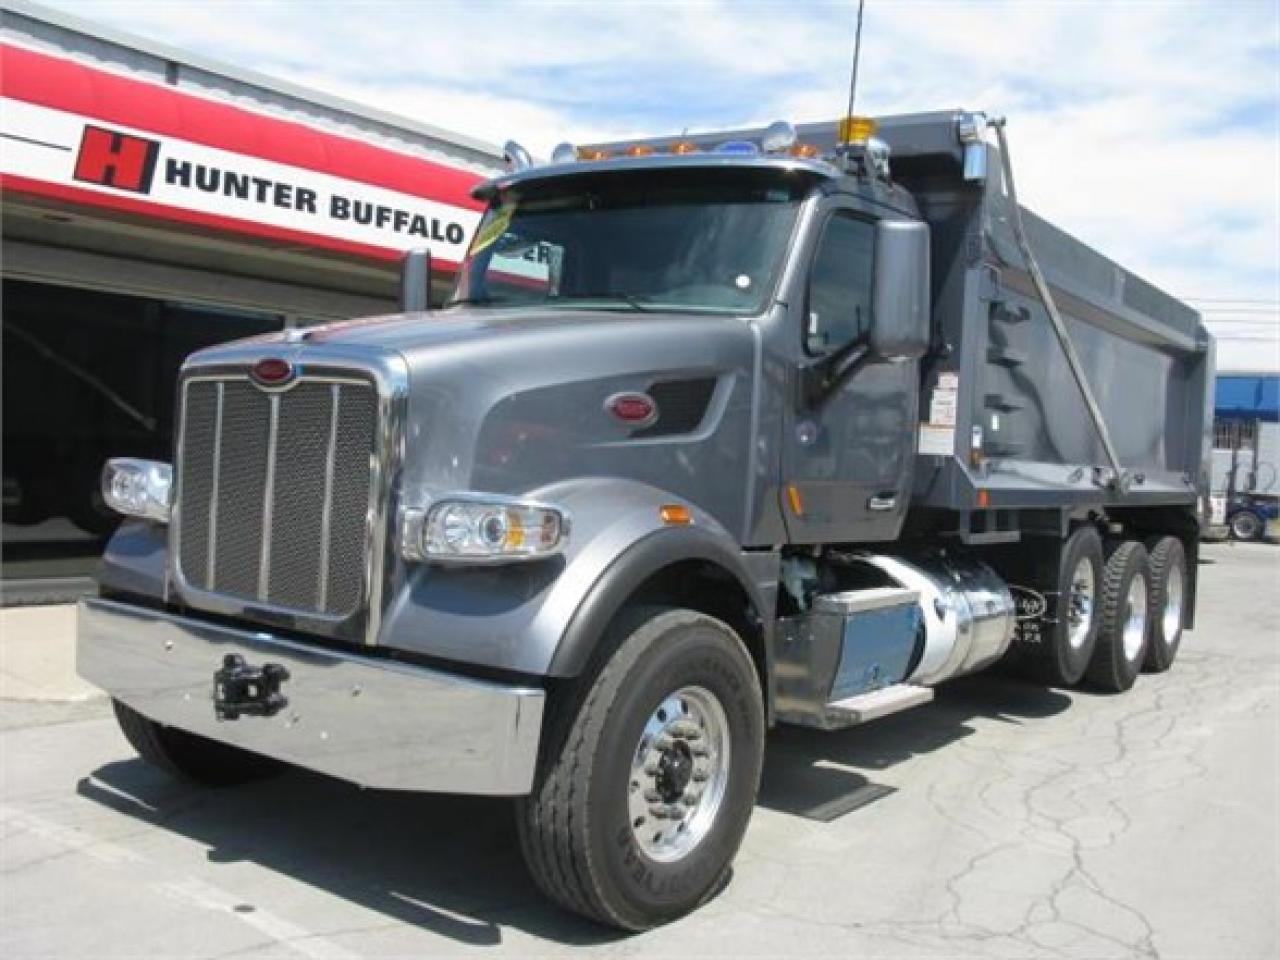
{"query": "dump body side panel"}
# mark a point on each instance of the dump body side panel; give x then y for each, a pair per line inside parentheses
(1000, 409)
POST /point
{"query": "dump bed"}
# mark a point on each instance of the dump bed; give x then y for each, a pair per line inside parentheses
(1001, 411)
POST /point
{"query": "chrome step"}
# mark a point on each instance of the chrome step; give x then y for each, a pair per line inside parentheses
(876, 704)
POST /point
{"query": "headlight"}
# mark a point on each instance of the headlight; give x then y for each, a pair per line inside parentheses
(138, 488)
(483, 528)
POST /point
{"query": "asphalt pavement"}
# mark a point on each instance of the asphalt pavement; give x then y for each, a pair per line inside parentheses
(1003, 820)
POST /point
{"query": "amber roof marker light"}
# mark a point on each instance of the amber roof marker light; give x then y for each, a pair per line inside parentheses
(853, 129)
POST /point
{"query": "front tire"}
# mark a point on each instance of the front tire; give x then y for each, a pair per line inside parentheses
(650, 774)
(186, 756)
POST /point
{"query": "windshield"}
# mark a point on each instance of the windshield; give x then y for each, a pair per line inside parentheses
(701, 240)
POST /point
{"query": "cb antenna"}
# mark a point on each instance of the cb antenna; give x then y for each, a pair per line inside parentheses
(857, 49)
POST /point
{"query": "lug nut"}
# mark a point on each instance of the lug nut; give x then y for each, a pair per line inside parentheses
(701, 775)
(653, 796)
(658, 811)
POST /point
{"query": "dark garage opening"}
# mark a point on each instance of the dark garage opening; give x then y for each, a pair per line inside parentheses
(87, 375)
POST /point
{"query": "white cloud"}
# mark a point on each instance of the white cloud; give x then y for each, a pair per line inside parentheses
(1148, 128)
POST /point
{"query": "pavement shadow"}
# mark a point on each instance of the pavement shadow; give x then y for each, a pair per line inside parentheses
(452, 865)
(448, 865)
(800, 780)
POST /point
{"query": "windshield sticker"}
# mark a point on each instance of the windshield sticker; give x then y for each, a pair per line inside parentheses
(491, 231)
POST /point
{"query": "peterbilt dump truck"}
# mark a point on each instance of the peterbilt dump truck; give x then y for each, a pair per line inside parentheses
(781, 426)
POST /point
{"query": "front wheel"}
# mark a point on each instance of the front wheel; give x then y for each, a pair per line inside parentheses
(650, 774)
(186, 756)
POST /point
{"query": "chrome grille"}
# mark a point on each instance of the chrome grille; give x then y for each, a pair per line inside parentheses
(276, 491)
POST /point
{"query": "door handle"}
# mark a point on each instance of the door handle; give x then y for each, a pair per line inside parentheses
(882, 502)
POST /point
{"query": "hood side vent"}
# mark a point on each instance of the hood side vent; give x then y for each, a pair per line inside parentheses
(682, 406)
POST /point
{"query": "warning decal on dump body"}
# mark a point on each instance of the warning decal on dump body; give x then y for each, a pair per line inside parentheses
(938, 433)
(942, 406)
(937, 441)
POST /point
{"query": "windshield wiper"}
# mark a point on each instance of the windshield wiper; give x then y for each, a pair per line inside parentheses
(630, 299)
(474, 301)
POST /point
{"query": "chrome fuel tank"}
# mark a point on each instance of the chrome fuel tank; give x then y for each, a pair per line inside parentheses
(969, 613)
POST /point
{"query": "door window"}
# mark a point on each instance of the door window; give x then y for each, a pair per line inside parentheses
(839, 306)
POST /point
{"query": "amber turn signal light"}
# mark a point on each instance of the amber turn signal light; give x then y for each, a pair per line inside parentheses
(676, 514)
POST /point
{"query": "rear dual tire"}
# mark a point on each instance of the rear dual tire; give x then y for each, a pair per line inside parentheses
(1168, 561)
(1123, 638)
(649, 774)
(1066, 647)
(1095, 636)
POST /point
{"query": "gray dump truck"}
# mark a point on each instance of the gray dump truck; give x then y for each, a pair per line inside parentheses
(775, 426)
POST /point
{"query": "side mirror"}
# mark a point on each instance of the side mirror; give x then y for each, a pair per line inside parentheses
(415, 281)
(900, 298)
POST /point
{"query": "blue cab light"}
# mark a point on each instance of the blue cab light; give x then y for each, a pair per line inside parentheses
(743, 148)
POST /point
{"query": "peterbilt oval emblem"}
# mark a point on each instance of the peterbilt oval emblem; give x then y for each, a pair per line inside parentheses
(1028, 604)
(634, 409)
(272, 372)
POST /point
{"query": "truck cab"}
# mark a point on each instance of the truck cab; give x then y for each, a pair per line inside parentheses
(702, 442)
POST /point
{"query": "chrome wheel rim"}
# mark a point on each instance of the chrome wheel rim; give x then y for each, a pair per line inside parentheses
(1135, 620)
(1244, 525)
(1080, 604)
(679, 773)
(1171, 616)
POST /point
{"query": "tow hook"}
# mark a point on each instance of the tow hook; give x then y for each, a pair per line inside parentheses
(241, 690)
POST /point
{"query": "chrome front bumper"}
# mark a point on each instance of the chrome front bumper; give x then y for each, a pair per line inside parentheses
(374, 722)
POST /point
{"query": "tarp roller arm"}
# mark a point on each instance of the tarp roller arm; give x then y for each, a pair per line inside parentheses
(1119, 478)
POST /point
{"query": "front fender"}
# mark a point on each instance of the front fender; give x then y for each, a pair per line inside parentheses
(629, 569)
(136, 561)
(543, 618)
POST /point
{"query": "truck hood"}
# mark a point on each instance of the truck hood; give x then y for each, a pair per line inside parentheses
(511, 400)
(417, 335)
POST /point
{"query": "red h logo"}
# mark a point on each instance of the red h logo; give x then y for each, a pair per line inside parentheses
(116, 159)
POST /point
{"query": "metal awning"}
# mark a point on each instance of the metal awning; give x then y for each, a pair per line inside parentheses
(1248, 397)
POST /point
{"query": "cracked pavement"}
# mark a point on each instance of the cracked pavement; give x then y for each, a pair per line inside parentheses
(1003, 820)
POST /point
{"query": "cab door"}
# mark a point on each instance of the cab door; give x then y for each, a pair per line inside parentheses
(847, 451)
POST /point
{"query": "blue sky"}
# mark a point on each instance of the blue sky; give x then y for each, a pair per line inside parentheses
(1149, 128)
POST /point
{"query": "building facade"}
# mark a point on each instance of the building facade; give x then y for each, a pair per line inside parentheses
(155, 202)
(1246, 434)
